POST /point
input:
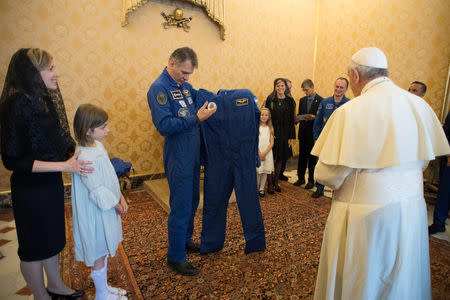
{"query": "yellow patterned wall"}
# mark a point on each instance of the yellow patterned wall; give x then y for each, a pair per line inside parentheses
(414, 35)
(112, 66)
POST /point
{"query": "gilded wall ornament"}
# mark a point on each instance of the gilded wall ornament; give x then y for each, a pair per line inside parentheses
(214, 9)
(176, 19)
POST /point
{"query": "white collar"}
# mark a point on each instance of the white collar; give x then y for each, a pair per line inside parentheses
(373, 83)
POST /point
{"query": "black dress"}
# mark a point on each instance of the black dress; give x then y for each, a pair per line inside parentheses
(29, 133)
(283, 116)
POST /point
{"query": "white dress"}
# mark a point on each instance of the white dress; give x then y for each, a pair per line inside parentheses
(97, 229)
(264, 141)
(375, 243)
(371, 153)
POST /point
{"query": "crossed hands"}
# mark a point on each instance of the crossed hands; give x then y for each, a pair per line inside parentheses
(304, 117)
(262, 157)
(122, 206)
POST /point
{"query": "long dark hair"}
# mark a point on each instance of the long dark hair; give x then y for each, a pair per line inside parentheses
(287, 92)
(24, 78)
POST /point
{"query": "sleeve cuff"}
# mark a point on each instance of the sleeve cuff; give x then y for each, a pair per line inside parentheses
(23, 165)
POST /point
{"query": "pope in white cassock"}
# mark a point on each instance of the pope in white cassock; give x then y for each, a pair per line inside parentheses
(371, 153)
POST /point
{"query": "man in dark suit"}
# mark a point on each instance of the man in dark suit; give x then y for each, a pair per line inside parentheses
(307, 110)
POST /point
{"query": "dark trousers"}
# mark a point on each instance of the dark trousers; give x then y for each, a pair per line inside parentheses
(443, 199)
(283, 167)
(306, 160)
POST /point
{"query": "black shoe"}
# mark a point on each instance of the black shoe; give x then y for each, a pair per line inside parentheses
(270, 191)
(74, 295)
(184, 268)
(284, 178)
(299, 182)
(317, 194)
(433, 228)
(261, 194)
(309, 186)
(277, 188)
(192, 247)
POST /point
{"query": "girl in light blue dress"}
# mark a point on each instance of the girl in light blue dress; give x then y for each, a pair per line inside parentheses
(97, 202)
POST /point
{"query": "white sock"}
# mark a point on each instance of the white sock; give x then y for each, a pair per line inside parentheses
(263, 181)
(111, 289)
(101, 286)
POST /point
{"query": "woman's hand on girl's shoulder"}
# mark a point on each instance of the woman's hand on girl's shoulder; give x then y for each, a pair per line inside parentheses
(80, 167)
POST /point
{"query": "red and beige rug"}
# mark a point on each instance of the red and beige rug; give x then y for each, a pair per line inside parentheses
(294, 223)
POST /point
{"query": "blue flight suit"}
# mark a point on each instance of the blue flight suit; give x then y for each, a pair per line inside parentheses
(326, 108)
(174, 114)
(230, 143)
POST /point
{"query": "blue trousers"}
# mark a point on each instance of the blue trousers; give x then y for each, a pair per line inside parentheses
(182, 166)
(320, 187)
(220, 178)
(443, 199)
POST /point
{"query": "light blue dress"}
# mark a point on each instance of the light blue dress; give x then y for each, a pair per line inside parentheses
(97, 229)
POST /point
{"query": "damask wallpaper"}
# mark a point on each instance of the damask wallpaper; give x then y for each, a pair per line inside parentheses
(414, 35)
(102, 63)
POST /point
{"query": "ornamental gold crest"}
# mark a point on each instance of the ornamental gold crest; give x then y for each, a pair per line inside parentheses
(176, 19)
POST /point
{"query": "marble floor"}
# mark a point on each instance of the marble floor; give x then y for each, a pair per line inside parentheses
(12, 284)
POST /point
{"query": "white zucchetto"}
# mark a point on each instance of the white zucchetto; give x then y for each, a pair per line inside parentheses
(371, 57)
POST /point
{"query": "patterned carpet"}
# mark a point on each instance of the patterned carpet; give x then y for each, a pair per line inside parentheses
(294, 224)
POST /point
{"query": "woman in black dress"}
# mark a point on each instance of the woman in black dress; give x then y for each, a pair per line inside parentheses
(36, 145)
(282, 109)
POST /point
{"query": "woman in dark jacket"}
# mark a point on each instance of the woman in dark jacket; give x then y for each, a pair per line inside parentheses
(36, 145)
(282, 109)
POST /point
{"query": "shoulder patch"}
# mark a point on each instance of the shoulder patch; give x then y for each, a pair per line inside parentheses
(161, 98)
(241, 102)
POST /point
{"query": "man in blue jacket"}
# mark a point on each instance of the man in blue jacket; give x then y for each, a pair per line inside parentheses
(326, 108)
(443, 200)
(174, 114)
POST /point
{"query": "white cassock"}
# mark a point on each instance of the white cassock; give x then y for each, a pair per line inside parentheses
(371, 153)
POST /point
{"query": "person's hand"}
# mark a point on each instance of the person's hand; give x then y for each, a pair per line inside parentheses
(299, 118)
(262, 157)
(124, 204)
(448, 161)
(311, 116)
(290, 143)
(80, 167)
(118, 208)
(204, 113)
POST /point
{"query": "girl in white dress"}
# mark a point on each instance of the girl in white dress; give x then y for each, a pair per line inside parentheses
(265, 151)
(97, 202)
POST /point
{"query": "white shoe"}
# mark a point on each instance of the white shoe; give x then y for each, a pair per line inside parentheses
(116, 291)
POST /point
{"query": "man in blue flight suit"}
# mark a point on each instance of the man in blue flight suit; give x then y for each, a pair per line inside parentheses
(326, 108)
(442, 205)
(230, 157)
(175, 116)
